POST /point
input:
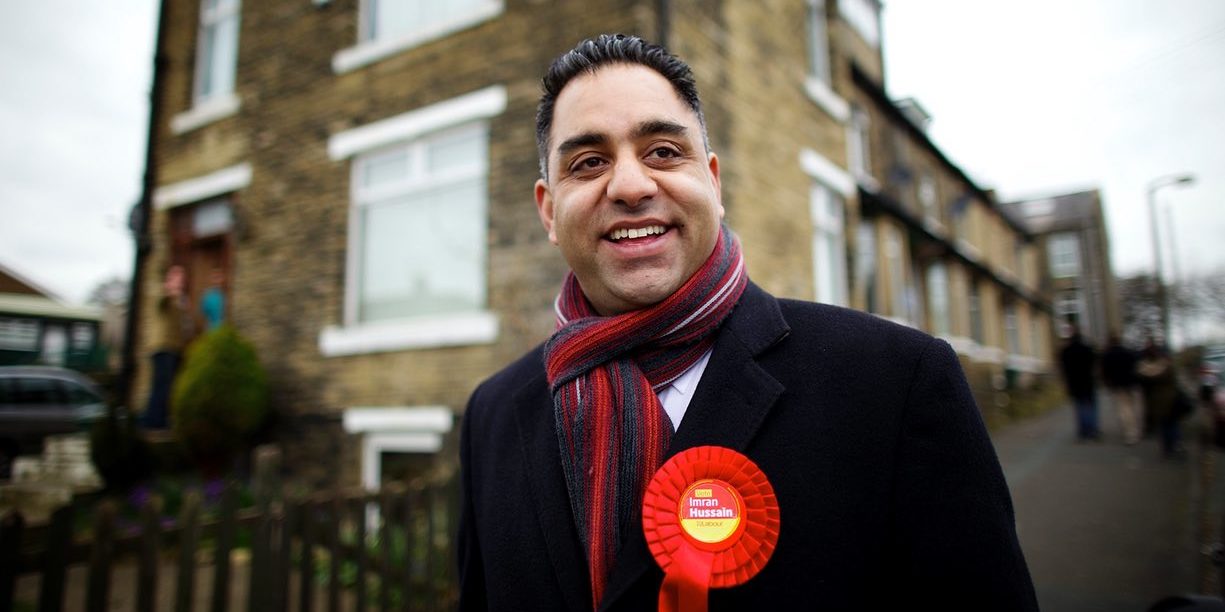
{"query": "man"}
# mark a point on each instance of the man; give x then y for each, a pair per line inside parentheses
(1077, 361)
(1119, 374)
(170, 332)
(889, 492)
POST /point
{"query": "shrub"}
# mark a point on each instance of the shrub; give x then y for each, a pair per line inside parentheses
(220, 398)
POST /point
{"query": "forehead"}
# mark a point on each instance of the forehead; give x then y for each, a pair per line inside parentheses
(616, 98)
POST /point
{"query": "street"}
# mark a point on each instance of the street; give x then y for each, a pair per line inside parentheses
(1106, 526)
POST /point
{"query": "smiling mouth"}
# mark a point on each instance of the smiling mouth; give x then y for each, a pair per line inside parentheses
(639, 232)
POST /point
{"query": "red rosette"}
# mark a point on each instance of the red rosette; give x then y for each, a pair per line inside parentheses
(697, 554)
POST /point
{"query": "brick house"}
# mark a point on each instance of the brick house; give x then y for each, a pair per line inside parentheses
(1071, 230)
(361, 172)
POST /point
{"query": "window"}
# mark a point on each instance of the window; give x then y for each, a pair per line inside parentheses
(864, 18)
(938, 299)
(858, 143)
(419, 222)
(976, 314)
(897, 273)
(927, 196)
(1068, 307)
(1064, 251)
(19, 334)
(217, 52)
(388, 27)
(390, 19)
(818, 42)
(82, 337)
(865, 264)
(828, 245)
(1012, 329)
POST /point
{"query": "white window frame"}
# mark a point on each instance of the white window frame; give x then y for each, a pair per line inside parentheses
(864, 17)
(1064, 252)
(828, 213)
(818, 80)
(394, 429)
(223, 102)
(370, 50)
(939, 304)
(859, 145)
(452, 329)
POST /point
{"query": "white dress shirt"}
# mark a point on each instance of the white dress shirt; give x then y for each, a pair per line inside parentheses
(676, 396)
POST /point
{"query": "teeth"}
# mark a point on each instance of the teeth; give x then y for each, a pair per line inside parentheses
(643, 232)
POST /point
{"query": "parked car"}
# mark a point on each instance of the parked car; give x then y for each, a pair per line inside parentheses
(36, 402)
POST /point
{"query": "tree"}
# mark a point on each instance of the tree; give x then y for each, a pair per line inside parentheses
(1139, 307)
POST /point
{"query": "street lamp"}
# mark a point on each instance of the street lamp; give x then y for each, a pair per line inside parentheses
(1153, 186)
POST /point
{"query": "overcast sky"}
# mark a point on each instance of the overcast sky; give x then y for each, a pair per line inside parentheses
(1047, 96)
(1030, 98)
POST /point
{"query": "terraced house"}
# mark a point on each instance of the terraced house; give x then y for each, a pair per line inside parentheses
(362, 170)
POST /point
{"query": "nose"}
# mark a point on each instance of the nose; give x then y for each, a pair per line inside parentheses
(631, 183)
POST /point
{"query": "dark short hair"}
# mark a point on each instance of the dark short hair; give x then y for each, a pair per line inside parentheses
(605, 49)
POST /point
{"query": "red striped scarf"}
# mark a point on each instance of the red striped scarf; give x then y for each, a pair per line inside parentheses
(604, 373)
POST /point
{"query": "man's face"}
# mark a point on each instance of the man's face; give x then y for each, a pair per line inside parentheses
(632, 199)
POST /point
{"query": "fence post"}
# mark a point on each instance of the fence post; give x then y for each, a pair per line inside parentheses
(385, 549)
(360, 558)
(335, 556)
(428, 499)
(190, 535)
(150, 554)
(224, 545)
(406, 522)
(284, 564)
(59, 539)
(306, 560)
(10, 551)
(100, 559)
(265, 487)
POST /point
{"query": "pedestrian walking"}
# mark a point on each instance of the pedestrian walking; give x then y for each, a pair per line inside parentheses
(1160, 384)
(1119, 374)
(1077, 361)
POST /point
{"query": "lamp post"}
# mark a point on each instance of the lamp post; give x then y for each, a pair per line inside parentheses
(1162, 303)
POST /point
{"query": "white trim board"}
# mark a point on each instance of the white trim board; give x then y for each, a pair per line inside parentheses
(827, 172)
(480, 104)
(223, 181)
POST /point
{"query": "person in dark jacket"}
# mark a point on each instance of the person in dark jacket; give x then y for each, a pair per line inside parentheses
(1076, 362)
(1119, 374)
(866, 430)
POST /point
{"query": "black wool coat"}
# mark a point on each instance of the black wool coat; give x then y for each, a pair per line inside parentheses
(889, 490)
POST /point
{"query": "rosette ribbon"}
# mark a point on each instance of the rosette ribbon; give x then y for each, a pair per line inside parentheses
(711, 521)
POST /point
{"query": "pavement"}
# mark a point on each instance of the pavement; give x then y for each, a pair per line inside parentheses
(1110, 527)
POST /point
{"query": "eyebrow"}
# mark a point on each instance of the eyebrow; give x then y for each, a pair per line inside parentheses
(646, 128)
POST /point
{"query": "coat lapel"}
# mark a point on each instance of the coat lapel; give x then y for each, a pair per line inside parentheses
(534, 413)
(730, 403)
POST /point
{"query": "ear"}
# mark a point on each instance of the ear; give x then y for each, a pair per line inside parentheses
(544, 208)
(712, 164)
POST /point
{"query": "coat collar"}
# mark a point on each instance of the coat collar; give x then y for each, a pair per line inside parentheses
(730, 403)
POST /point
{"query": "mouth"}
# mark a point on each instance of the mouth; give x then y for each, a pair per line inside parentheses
(634, 233)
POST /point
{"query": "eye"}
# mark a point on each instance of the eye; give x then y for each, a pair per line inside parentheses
(587, 164)
(664, 153)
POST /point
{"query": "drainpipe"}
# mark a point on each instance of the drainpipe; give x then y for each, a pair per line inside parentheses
(142, 215)
(663, 13)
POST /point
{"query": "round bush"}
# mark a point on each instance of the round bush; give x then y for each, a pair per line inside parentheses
(219, 399)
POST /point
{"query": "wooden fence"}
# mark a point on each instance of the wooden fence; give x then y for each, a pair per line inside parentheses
(354, 550)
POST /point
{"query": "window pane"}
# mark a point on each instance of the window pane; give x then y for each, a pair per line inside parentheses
(458, 150)
(391, 19)
(424, 254)
(818, 42)
(385, 167)
(218, 51)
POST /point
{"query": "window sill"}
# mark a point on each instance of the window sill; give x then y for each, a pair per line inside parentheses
(204, 113)
(366, 53)
(830, 102)
(416, 333)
